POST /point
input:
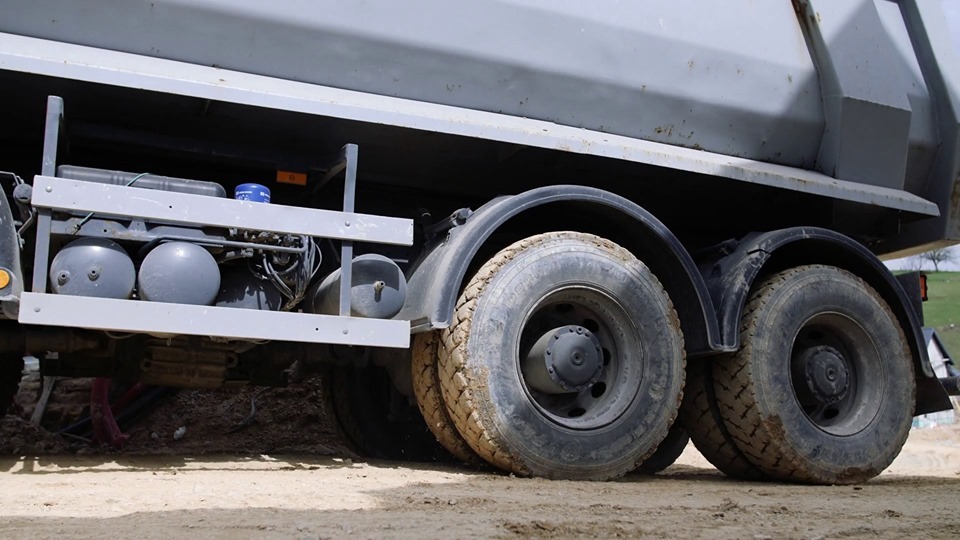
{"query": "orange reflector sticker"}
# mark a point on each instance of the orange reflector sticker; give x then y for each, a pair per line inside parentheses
(923, 287)
(4, 279)
(287, 177)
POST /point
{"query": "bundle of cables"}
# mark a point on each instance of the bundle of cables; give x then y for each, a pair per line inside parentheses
(293, 276)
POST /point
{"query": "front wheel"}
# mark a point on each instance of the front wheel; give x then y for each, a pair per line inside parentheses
(11, 371)
(822, 390)
(565, 359)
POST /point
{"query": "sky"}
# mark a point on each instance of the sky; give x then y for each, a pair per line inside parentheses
(909, 263)
(952, 10)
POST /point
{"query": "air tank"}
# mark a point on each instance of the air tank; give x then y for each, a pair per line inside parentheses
(93, 267)
(179, 273)
(378, 289)
(239, 288)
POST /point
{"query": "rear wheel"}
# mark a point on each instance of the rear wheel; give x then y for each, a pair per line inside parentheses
(700, 414)
(378, 420)
(822, 390)
(668, 451)
(426, 386)
(565, 359)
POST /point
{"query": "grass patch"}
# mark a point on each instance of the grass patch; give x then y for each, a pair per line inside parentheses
(942, 310)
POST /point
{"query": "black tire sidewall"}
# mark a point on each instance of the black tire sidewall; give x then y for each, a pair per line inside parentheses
(544, 447)
(11, 371)
(358, 403)
(668, 452)
(799, 440)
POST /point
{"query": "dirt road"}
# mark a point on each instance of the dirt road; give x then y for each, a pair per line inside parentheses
(321, 497)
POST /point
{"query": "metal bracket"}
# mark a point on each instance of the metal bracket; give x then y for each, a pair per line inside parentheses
(232, 323)
(346, 163)
(51, 135)
(51, 143)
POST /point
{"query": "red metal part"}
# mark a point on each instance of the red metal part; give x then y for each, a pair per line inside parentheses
(105, 428)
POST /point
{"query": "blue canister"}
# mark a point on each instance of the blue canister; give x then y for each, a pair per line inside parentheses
(252, 192)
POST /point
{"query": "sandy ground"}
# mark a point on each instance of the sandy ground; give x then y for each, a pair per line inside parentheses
(297, 496)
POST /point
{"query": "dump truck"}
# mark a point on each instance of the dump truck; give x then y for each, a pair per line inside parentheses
(579, 234)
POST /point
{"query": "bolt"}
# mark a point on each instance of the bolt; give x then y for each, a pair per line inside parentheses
(49, 189)
(346, 331)
(347, 223)
(36, 309)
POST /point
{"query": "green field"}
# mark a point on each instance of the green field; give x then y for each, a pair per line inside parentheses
(942, 310)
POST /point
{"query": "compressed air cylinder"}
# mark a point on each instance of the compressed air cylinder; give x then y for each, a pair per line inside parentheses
(93, 267)
(378, 289)
(179, 273)
(239, 288)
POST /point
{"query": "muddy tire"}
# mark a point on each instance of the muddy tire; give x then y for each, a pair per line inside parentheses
(11, 371)
(426, 387)
(822, 390)
(564, 359)
(668, 451)
(377, 421)
(700, 415)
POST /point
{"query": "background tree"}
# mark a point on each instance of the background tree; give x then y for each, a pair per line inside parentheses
(915, 263)
(938, 257)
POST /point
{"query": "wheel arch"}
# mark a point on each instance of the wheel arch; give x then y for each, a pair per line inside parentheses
(732, 277)
(436, 278)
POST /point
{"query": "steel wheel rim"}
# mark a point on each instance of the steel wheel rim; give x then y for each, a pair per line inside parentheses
(615, 389)
(836, 374)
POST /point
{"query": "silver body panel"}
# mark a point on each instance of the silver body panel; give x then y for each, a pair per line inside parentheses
(857, 100)
(173, 207)
(231, 323)
(120, 69)
(730, 77)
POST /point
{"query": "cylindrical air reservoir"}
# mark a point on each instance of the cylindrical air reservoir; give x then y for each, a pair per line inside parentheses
(239, 288)
(377, 289)
(179, 273)
(93, 267)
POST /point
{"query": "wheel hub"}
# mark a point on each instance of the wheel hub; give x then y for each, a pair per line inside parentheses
(826, 373)
(565, 359)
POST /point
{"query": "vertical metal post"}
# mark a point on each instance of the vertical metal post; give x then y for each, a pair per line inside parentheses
(350, 154)
(51, 135)
(41, 257)
(51, 142)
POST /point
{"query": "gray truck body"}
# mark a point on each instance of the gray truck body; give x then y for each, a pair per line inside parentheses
(855, 100)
